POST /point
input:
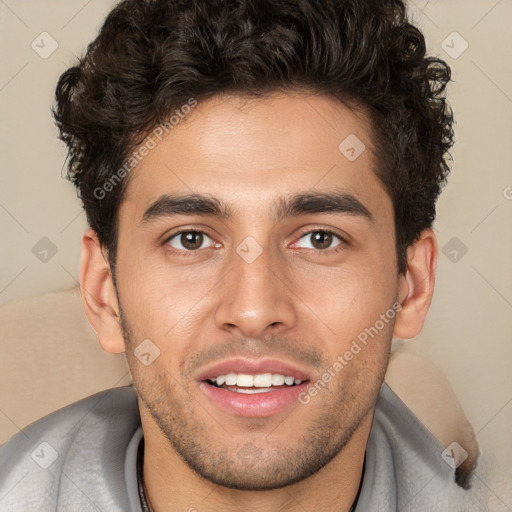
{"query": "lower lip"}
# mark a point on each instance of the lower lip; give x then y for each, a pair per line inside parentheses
(254, 405)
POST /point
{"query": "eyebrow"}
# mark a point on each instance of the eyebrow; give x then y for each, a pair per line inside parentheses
(339, 202)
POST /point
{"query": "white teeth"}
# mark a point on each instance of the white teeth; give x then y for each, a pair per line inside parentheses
(262, 380)
(245, 380)
(251, 391)
(230, 379)
(277, 380)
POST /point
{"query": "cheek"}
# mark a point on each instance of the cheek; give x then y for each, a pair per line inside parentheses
(160, 303)
(351, 297)
(357, 306)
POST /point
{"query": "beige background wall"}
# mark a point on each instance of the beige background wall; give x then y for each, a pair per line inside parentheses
(469, 329)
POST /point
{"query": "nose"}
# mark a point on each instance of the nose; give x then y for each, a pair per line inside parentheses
(256, 297)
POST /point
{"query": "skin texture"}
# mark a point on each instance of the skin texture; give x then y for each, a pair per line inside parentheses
(299, 302)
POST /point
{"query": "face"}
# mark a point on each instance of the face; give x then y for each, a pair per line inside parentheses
(250, 250)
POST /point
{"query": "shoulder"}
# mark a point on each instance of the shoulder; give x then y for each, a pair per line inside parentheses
(407, 465)
(72, 457)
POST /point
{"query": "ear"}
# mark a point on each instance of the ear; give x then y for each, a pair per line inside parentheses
(99, 295)
(416, 286)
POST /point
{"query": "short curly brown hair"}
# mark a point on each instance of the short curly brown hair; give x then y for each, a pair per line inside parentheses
(151, 56)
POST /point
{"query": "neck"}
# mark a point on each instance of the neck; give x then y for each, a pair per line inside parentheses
(169, 480)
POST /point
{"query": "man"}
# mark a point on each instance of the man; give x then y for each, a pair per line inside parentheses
(260, 180)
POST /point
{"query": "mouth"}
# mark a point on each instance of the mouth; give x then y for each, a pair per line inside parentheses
(251, 388)
(251, 384)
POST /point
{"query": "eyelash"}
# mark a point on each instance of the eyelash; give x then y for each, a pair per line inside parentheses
(341, 246)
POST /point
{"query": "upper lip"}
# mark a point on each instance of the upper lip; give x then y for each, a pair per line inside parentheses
(252, 367)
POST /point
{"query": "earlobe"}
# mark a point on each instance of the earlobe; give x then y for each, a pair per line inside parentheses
(416, 286)
(99, 295)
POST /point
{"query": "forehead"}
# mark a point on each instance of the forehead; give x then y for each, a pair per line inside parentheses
(247, 152)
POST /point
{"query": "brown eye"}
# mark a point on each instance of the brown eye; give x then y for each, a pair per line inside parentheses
(320, 240)
(188, 240)
(191, 240)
